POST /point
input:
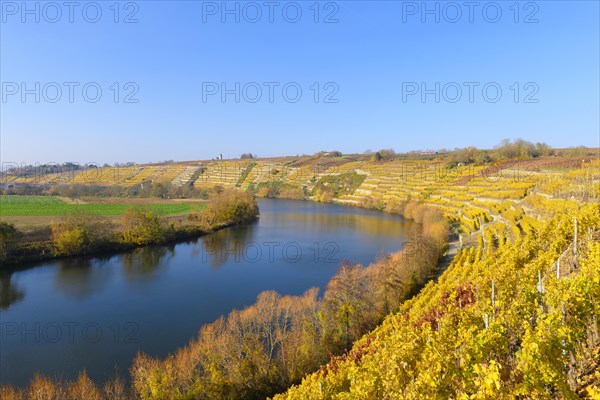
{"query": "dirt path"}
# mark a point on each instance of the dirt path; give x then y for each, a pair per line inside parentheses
(70, 200)
(446, 260)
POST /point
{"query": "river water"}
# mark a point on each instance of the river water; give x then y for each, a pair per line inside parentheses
(94, 313)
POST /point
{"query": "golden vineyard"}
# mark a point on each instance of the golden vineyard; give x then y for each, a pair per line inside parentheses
(517, 192)
(514, 314)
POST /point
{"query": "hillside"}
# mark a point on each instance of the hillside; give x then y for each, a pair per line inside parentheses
(505, 320)
(513, 314)
(515, 190)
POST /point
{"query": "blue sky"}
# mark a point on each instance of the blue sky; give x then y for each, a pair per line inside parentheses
(370, 61)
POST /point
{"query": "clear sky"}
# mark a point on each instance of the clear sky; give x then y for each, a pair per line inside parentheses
(378, 67)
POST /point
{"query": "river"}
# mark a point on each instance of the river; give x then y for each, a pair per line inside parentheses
(96, 313)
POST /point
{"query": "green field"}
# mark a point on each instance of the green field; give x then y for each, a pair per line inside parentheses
(52, 206)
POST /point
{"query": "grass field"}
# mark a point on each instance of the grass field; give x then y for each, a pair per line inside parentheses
(52, 206)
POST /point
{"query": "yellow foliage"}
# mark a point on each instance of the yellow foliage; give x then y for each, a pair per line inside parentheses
(141, 226)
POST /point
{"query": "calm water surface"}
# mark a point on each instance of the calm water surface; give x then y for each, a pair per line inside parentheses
(97, 313)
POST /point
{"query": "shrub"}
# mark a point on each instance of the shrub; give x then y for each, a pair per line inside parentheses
(8, 235)
(395, 207)
(69, 241)
(292, 194)
(263, 192)
(141, 226)
(323, 195)
(372, 203)
(278, 189)
(229, 207)
(73, 233)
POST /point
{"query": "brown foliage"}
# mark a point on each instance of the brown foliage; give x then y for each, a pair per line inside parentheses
(291, 194)
(372, 203)
(83, 388)
(42, 388)
(270, 345)
(264, 192)
(10, 393)
(347, 307)
(249, 354)
(115, 390)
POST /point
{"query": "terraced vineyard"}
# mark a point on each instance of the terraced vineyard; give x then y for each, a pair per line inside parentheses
(225, 174)
(507, 319)
(513, 315)
(514, 191)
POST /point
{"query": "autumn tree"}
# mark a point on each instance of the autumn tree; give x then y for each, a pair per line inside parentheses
(83, 388)
(347, 307)
(141, 226)
(74, 233)
(231, 206)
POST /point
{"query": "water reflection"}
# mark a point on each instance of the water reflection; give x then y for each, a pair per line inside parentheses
(370, 224)
(143, 263)
(221, 246)
(9, 292)
(79, 278)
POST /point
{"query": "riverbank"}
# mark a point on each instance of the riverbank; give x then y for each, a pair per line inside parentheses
(280, 339)
(82, 234)
(40, 251)
(305, 329)
(170, 292)
(371, 292)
